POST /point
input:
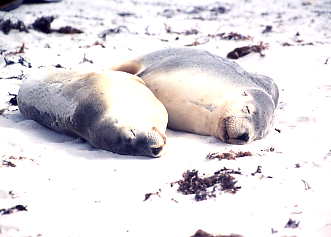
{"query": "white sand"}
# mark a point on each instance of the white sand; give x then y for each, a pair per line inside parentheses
(72, 189)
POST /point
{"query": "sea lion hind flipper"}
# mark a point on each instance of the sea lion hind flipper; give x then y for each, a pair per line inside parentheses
(131, 66)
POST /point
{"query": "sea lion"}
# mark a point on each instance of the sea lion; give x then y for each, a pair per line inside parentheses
(207, 94)
(111, 110)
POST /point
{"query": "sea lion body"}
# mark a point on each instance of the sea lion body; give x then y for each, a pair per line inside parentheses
(207, 94)
(114, 111)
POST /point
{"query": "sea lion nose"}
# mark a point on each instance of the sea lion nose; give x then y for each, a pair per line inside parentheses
(156, 142)
(244, 137)
(156, 151)
(238, 130)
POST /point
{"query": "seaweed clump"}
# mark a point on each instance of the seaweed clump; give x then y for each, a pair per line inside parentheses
(207, 187)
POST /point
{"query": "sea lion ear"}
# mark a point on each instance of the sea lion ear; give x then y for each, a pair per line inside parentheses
(132, 67)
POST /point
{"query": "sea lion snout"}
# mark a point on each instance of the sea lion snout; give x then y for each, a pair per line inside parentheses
(156, 141)
(131, 141)
(237, 130)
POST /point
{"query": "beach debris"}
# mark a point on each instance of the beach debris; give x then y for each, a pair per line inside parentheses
(245, 50)
(306, 3)
(17, 208)
(218, 10)
(148, 195)
(231, 36)
(267, 29)
(292, 224)
(174, 200)
(198, 41)
(8, 61)
(23, 62)
(204, 187)
(16, 77)
(20, 50)
(20, 60)
(6, 163)
(168, 13)
(12, 194)
(194, 10)
(297, 42)
(43, 24)
(307, 186)
(119, 29)
(6, 25)
(271, 149)
(286, 44)
(168, 29)
(13, 99)
(231, 155)
(86, 60)
(258, 170)
(278, 130)
(201, 233)
(199, 9)
(96, 43)
(68, 30)
(58, 66)
(301, 42)
(125, 14)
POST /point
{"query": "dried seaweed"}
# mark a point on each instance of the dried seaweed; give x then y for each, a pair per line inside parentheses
(292, 224)
(206, 187)
(231, 36)
(267, 29)
(201, 233)
(6, 25)
(6, 163)
(116, 30)
(43, 24)
(12, 210)
(231, 155)
(69, 30)
(243, 51)
(148, 195)
(13, 99)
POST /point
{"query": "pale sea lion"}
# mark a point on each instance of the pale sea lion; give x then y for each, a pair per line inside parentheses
(207, 94)
(112, 110)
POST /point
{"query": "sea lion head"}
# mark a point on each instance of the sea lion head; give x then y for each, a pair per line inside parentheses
(147, 142)
(127, 140)
(121, 115)
(249, 118)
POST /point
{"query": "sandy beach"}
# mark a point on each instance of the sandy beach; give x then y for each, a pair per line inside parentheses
(56, 185)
